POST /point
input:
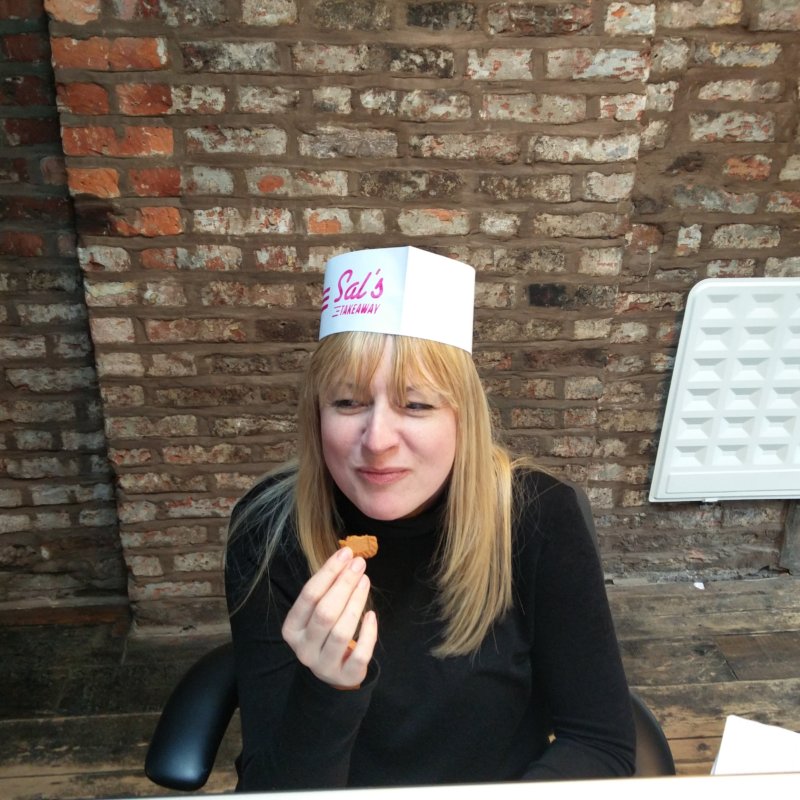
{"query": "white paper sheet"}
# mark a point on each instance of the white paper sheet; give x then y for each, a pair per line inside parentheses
(751, 747)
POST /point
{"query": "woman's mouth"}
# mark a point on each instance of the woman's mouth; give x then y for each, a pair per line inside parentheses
(382, 477)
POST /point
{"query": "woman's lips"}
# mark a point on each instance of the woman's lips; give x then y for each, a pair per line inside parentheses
(382, 477)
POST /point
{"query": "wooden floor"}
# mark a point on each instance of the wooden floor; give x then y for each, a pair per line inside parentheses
(79, 702)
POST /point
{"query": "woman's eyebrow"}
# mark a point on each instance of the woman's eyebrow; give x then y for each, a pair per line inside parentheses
(341, 386)
(424, 389)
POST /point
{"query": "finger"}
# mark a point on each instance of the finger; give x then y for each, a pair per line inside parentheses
(315, 588)
(367, 636)
(354, 670)
(329, 609)
(346, 625)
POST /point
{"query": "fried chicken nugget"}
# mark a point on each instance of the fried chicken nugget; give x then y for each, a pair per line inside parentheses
(364, 546)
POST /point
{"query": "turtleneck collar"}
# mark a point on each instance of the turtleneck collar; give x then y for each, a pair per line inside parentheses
(356, 522)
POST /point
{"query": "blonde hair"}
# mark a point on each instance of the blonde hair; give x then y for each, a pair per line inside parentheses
(474, 561)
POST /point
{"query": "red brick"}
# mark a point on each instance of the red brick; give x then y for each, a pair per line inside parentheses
(35, 209)
(101, 258)
(748, 168)
(146, 141)
(77, 12)
(433, 221)
(499, 64)
(195, 330)
(28, 47)
(13, 243)
(164, 293)
(699, 15)
(233, 293)
(26, 132)
(100, 182)
(263, 140)
(279, 259)
(172, 365)
(156, 182)
(25, 90)
(21, 9)
(732, 126)
(644, 239)
(149, 221)
(141, 141)
(159, 482)
(199, 507)
(533, 19)
(130, 458)
(138, 9)
(86, 141)
(111, 330)
(53, 170)
(69, 53)
(270, 183)
(740, 236)
(159, 258)
(784, 202)
(323, 222)
(144, 99)
(129, 52)
(82, 98)
(503, 149)
(232, 221)
(101, 53)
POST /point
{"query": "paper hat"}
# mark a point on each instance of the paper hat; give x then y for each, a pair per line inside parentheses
(399, 290)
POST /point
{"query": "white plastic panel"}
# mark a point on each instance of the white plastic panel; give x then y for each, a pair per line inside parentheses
(732, 423)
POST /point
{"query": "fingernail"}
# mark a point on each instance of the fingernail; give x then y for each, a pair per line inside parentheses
(344, 554)
(358, 564)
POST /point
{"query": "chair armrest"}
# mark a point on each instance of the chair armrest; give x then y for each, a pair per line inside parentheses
(194, 720)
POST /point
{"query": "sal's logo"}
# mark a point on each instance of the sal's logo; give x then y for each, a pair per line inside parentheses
(355, 294)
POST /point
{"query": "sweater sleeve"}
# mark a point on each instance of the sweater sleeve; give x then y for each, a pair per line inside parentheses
(297, 731)
(577, 665)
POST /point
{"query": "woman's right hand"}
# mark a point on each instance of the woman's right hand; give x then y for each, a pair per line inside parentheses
(325, 617)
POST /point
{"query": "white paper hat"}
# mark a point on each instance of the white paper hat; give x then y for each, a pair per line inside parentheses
(399, 290)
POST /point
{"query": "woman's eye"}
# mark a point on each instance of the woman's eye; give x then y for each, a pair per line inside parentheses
(418, 406)
(346, 403)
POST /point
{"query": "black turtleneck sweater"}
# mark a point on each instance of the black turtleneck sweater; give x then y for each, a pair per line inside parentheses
(551, 665)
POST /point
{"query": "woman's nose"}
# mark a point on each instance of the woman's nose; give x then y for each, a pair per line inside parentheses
(380, 431)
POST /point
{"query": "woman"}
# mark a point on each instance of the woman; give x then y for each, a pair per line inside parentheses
(477, 645)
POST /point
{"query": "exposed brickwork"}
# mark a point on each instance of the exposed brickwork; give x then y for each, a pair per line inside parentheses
(714, 193)
(593, 160)
(58, 521)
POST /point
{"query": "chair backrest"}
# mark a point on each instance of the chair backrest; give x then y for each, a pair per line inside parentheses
(194, 720)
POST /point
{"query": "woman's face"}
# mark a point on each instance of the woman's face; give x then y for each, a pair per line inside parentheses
(390, 461)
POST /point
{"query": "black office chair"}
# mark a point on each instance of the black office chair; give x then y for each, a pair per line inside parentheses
(197, 714)
(193, 723)
(653, 756)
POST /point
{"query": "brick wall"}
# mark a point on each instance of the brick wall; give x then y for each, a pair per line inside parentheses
(593, 160)
(58, 536)
(716, 195)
